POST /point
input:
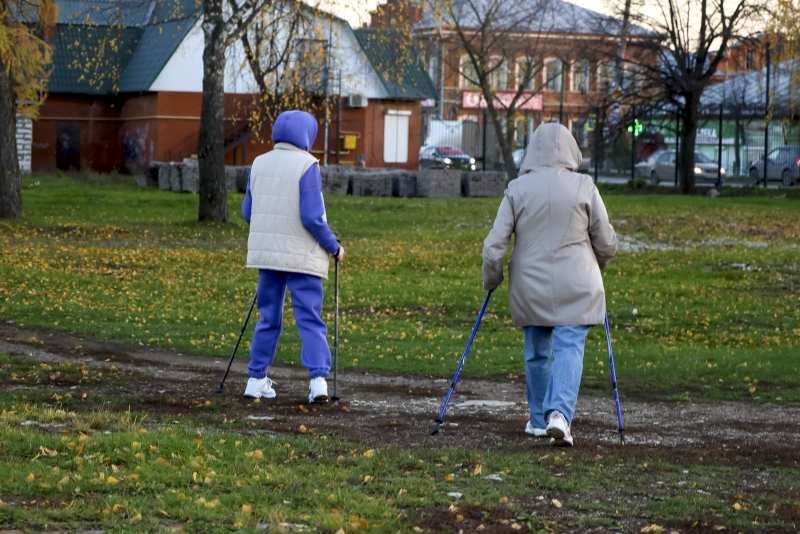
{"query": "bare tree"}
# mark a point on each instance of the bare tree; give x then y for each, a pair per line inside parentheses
(288, 55)
(224, 22)
(697, 34)
(497, 36)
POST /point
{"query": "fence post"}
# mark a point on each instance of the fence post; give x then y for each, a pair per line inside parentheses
(677, 145)
(766, 119)
(719, 149)
(483, 160)
(596, 142)
(633, 144)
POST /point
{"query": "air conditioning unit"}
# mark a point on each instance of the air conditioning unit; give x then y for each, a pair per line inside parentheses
(357, 101)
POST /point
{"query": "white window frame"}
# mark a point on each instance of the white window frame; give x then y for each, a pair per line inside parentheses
(610, 78)
(531, 86)
(586, 76)
(396, 135)
(463, 82)
(500, 72)
(560, 77)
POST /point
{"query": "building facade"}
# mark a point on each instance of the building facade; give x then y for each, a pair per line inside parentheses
(121, 106)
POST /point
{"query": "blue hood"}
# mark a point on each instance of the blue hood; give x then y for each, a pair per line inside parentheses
(296, 127)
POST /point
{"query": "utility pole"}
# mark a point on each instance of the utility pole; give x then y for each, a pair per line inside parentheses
(561, 101)
(623, 37)
(719, 149)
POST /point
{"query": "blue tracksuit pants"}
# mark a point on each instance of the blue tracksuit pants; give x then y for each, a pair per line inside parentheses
(306, 291)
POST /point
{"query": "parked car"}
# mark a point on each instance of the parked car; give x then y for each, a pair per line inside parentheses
(645, 168)
(783, 163)
(705, 169)
(445, 156)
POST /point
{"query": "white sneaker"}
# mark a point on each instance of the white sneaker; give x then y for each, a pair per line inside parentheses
(536, 432)
(558, 429)
(259, 387)
(318, 390)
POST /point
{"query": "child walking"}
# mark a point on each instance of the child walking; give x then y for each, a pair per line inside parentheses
(289, 244)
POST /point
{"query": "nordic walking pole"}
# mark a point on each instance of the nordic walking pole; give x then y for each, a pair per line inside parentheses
(235, 347)
(335, 397)
(461, 365)
(614, 383)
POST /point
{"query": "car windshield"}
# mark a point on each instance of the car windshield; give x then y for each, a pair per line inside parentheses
(450, 151)
(701, 158)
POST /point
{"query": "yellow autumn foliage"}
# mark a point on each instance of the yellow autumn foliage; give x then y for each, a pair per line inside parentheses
(26, 58)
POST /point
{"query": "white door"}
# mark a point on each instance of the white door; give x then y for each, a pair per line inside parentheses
(395, 136)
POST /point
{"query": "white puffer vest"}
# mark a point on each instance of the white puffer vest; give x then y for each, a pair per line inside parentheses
(278, 240)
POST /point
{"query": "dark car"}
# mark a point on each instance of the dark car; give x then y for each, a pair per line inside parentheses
(783, 163)
(447, 157)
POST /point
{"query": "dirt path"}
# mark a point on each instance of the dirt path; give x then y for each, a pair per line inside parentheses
(388, 409)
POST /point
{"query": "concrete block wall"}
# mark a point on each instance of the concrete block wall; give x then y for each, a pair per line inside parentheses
(439, 183)
(404, 184)
(190, 177)
(371, 184)
(483, 184)
(24, 140)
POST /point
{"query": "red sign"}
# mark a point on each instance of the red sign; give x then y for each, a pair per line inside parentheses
(475, 100)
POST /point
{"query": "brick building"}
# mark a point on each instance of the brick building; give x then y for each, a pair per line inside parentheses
(126, 89)
(574, 57)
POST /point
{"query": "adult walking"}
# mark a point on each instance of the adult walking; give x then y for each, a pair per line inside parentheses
(562, 240)
(289, 244)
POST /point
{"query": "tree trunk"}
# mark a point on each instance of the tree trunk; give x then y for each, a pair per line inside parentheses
(10, 187)
(505, 146)
(213, 192)
(690, 119)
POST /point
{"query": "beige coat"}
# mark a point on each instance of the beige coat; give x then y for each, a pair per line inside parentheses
(562, 237)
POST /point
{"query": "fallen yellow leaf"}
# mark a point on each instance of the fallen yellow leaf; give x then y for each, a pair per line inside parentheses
(369, 454)
(557, 503)
(655, 529)
(368, 478)
(477, 471)
(246, 508)
(112, 480)
(449, 478)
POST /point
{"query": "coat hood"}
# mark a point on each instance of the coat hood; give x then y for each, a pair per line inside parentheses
(295, 127)
(552, 146)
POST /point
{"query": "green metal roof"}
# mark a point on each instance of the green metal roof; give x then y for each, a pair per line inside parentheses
(100, 54)
(401, 71)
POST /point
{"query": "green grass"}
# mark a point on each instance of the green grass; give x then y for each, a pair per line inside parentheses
(716, 318)
(122, 472)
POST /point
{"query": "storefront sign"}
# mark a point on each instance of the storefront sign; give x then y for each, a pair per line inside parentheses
(475, 100)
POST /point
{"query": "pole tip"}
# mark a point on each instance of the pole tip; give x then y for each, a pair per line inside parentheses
(220, 387)
(436, 427)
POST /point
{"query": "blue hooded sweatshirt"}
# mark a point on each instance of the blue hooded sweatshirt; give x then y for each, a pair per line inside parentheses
(300, 129)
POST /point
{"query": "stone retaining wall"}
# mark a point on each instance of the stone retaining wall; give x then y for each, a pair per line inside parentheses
(342, 179)
(439, 183)
(483, 184)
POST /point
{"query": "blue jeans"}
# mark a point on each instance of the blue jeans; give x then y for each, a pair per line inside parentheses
(307, 294)
(553, 368)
